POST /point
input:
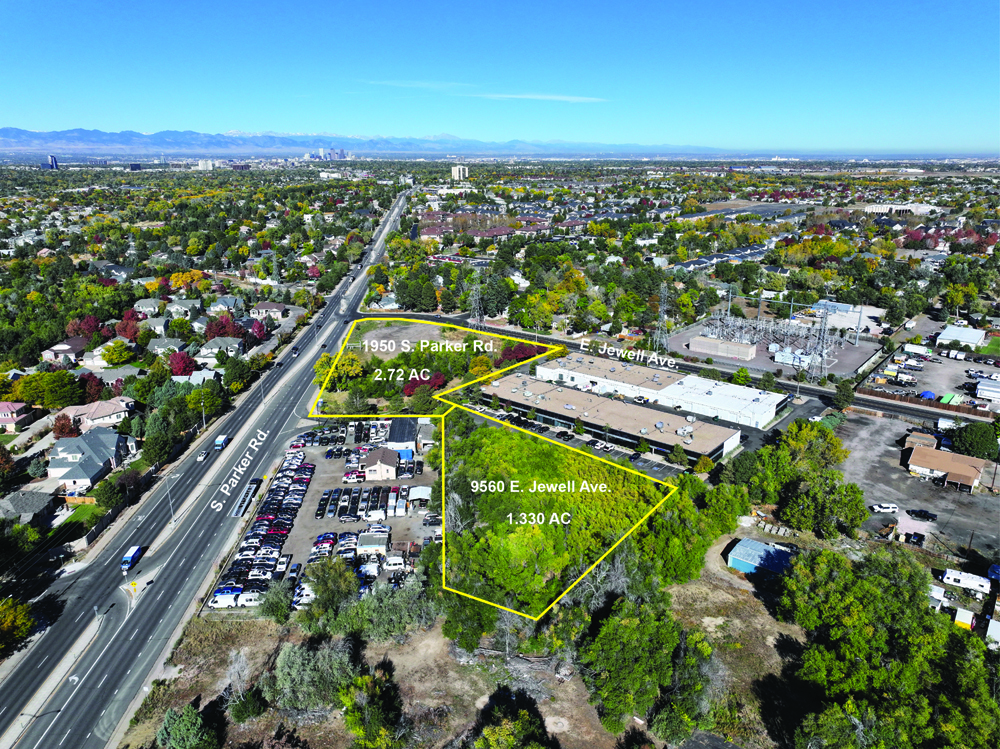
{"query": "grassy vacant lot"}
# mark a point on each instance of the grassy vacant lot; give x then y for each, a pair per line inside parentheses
(992, 347)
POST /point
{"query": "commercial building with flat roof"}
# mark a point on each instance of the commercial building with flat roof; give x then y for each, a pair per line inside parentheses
(962, 336)
(623, 422)
(735, 403)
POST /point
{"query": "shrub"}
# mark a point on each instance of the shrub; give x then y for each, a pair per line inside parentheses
(250, 705)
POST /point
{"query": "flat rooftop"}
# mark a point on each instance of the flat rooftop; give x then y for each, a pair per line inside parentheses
(724, 395)
(636, 375)
(625, 417)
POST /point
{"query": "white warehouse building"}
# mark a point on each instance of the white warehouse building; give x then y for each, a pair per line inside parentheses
(962, 336)
(736, 404)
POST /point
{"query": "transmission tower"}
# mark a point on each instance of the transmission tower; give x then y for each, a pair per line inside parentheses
(661, 338)
(477, 317)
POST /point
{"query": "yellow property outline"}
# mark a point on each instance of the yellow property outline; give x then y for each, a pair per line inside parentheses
(440, 397)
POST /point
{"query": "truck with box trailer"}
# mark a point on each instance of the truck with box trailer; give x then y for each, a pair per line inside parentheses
(221, 441)
(131, 557)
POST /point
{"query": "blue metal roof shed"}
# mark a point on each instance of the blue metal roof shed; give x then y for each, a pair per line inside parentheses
(752, 556)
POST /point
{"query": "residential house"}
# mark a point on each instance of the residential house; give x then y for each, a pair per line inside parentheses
(200, 324)
(15, 416)
(73, 348)
(274, 310)
(232, 346)
(100, 413)
(227, 305)
(158, 325)
(189, 309)
(199, 378)
(27, 507)
(148, 307)
(83, 461)
(160, 346)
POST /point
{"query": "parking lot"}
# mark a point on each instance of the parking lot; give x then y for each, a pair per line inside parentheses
(875, 466)
(288, 521)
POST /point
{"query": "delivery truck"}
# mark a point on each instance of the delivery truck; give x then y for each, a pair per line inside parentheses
(221, 441)
(131, 557)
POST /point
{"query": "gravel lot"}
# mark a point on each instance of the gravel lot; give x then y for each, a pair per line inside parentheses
(874, 465)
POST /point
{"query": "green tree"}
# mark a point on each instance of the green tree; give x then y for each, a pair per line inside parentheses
(704, 464)
(276, 602)
(643, 446)
(15, 623)
(628, 662)
(813, 445)
(741, 469)
(322, 368)
(741, 377)
(578, 427)
(185, 730)
(448, 303)
(203, 400)
(356, 402)
(372, 710)
(106, 494)
(678, 456)
(333, 582)
(306, 677)
(768, 381)
(157, 448)
(37, 469)
(977, 440)
(117, 353)
(711, 374)
(422, 401)
(844, 397)
(237, 374)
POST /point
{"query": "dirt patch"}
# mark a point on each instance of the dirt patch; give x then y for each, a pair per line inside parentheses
(745, 636)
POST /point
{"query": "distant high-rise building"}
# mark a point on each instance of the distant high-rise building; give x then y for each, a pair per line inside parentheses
(241, 167)
(135, 167)
(459, 172)
(322, 153)
(342, 154)
(53, 162)
(205, 165)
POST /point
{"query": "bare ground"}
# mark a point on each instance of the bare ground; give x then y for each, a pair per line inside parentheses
(751, 644)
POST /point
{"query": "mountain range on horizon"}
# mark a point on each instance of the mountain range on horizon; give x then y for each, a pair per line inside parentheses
(189, 143)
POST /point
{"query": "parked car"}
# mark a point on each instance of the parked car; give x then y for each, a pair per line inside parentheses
(924, 515)
(885, 508)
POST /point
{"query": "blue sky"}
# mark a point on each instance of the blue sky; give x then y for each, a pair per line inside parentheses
(851, 76)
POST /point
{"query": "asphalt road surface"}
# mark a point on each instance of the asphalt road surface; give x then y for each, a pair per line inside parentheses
(86, 706)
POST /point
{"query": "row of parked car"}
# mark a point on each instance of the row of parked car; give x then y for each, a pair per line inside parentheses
(258, 560)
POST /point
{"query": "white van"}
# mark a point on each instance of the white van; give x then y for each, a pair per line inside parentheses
(393, 564)
(248, 599)
(223, 602)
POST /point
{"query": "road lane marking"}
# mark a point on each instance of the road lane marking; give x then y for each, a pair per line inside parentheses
(40, 664)
(102, 681)
(134, 633)
(64, 737)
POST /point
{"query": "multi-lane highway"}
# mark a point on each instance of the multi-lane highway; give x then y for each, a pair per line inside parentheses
(87, 696)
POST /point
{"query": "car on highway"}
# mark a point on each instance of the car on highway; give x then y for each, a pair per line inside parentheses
(885, 508)
(927, 517)
(202, 455)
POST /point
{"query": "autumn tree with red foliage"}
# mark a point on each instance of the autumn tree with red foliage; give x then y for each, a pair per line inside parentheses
(93, 386)
(224, 327)
(436, 382)
(182, 364)
(63, 427)
(519, 352)
(128, 329)
(258, 330)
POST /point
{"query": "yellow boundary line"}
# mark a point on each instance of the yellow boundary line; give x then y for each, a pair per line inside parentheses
(437, 396)
(440, 397)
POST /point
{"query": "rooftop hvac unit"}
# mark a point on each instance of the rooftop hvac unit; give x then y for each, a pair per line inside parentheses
(590, 361)
(537, 401)
(612, 369)
(524, 382)
(756, 400)
(514, 391)
(709, 392)
(679, 432)
(691, 419)
(644, 431)
(579, 359)
(586, 414)
(558, 390)
(659, 425)
(688, 441)
(570, 407)
(527, 393)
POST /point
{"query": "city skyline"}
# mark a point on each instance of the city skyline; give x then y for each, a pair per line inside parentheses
(782, 77)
